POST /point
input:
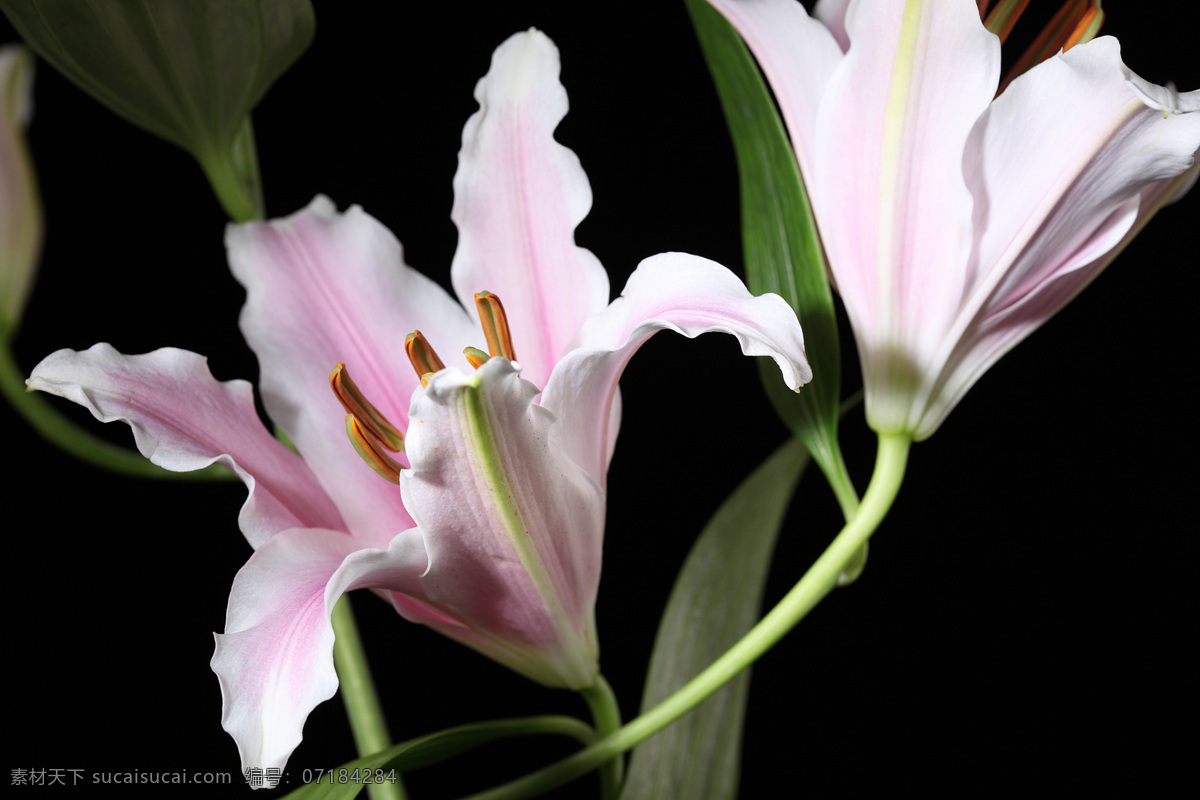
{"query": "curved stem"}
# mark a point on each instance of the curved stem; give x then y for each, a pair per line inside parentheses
(837, 475)
(607, 716)
(359, 695)
(820, 579)
(70, 438)
(843, 488)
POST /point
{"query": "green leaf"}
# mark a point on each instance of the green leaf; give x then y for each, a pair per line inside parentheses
(21, 223)
(716, 600)
(435, 747)
(779, 238)
(189, 71)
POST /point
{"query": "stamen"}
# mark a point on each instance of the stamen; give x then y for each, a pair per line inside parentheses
(372, 450)
(1004, 16)
(356, 403)
(1057, 33)
(475, 357)
(422, 357)
(1087, 28)
(495, 325)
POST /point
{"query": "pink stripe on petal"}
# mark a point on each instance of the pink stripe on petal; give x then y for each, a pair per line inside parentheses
(890, 199)
(518, 195)
(275, 659)
(183, 419)
(324, 287)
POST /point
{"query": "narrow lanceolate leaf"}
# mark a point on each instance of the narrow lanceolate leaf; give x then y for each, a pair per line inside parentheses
(715, 601)
(189, 71)
(779, 236)
(345, 782)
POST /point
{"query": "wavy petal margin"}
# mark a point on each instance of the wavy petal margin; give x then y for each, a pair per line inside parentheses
(323, 288)
(671, 291)
(275, 659)
(518, 196)
(183, 419)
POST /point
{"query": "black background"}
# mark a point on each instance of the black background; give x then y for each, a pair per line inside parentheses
(1026, 610)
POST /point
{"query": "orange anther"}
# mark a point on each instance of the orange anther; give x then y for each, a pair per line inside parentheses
(356, 403)
(1086, 29)
(495, 325)
(372, 450)
(422, 357)
(1004, 16)
(475, 357)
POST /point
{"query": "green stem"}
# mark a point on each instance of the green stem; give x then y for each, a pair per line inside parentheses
(607, 716)
(843, 488)
(820, 579)
(87, 447)
(233, 174)
(359, 695)
(835, 470)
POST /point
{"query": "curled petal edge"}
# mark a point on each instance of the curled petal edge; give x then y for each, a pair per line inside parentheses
(275, 660)
(671, 291)
(183, 419)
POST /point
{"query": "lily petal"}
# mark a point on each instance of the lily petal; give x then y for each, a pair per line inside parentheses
(275, 659)
(183, 419)
(1065, 166)
(671, 291)
(512, 525)
(1052, 158)
(324, 287)
(889, 195)
(518, 195)
(832, 14)
(797, 54)
(1003, 328)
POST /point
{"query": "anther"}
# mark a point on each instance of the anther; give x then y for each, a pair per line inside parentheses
(475, 357)
(1086, 29)
(372, 450)
(1004, 16)
(495, 325)
(1075, 22)
(369, 417)
(422, 357)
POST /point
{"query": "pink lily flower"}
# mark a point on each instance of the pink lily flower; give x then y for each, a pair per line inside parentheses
(493, 535)
(955, 221)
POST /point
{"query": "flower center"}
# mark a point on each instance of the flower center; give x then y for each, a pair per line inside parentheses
(495, 329)
(370, 432)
